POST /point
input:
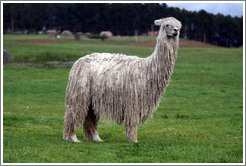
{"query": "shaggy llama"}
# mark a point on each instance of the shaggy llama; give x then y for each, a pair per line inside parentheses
(118, 87)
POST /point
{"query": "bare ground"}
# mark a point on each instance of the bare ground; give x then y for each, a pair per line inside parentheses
(182, 43)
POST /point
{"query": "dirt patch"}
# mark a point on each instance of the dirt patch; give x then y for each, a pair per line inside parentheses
(182, 43)
(188, 43)
(48, 41)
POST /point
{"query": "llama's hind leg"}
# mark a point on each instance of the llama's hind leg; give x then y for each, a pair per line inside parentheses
(131, 132)
(70, 126)
(90, 126)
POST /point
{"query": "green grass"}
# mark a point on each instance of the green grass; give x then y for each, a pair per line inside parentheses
(199, 120)
(65, 50)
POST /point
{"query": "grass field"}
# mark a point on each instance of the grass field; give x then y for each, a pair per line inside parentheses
(199, 120)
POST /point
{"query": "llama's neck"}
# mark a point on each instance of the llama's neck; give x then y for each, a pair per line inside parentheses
(165, 52)
(161, 62)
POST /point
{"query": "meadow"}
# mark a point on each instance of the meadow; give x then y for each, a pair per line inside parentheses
(199, 120)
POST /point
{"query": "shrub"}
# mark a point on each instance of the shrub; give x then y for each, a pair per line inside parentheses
(96, 36)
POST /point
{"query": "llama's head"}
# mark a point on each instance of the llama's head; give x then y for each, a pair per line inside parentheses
(169, 26)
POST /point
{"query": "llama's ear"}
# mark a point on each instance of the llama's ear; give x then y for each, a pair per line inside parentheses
(158, 22)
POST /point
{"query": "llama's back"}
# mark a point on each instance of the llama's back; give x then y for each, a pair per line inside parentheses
(96, 66)
(106, 62)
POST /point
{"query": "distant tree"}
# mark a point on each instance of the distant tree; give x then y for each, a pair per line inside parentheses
(121, 19)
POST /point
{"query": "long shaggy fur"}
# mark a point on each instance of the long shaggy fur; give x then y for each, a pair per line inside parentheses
(118, 87)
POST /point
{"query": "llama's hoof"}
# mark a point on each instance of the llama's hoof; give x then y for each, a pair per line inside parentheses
(136, 141)
(74, 138)
(96, 138)
(77, 141)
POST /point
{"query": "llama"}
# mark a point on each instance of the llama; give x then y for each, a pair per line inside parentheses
(125, 89)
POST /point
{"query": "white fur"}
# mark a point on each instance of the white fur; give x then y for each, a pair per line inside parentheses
(158, 22)
(126, 89)
(74, 138)
(96, 137)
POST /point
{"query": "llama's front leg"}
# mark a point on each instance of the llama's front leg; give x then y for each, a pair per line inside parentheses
(90, 127)
(131, 132)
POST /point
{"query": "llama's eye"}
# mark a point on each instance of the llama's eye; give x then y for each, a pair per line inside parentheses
(167, 25)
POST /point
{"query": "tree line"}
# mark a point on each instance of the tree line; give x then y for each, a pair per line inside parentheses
(121, 19)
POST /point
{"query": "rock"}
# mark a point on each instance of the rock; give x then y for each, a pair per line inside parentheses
(106, 33)
(56, 64)
(80, 33)
(88, 33)
(32, 59)
(53, 64)
(52, 32)
(66, 33)
(7, 57)
(67, 64)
